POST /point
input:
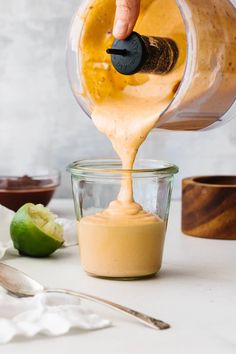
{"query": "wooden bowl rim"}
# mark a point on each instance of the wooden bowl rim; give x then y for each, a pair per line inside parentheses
(199, 180)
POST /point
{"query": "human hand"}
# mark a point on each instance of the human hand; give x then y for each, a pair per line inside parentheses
(127, 12)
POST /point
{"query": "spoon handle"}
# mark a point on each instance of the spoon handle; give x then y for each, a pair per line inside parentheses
(149, 321)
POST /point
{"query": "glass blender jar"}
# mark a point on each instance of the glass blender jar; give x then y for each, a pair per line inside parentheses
(207, 89)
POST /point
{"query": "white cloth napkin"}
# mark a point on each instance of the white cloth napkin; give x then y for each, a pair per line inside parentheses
(6, 244)
(6, 216)
(70, 231)
(49, 314)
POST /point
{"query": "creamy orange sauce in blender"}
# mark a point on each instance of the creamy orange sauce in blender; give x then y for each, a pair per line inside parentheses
(124, 240)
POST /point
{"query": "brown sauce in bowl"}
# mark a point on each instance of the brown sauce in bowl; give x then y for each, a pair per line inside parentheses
(16, 191)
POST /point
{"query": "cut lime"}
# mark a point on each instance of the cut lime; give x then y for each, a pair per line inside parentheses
(34, 231)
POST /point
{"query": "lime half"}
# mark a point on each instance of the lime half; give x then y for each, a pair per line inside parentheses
(34, 231)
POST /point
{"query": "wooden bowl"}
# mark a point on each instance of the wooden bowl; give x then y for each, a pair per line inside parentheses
(209, 207)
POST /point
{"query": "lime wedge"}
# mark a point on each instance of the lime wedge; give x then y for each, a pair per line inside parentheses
(34, 231)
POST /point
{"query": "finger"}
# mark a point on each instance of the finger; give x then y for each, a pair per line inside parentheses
(127, 12)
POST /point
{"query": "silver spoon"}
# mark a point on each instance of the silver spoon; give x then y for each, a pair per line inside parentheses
(21, 285)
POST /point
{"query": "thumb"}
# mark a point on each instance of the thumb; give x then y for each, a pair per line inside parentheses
(127, 12)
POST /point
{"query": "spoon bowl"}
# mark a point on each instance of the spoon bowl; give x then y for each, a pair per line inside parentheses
(18, 283)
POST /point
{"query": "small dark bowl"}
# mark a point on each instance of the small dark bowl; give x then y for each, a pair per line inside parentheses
(15, 191)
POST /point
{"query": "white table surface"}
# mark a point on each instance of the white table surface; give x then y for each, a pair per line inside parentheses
(195, 292)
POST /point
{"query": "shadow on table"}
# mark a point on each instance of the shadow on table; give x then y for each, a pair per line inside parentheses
(175, 272)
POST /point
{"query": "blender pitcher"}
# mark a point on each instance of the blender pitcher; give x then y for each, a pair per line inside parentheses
(208, 86)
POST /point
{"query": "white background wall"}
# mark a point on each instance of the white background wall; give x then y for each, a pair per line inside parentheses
(40, 122)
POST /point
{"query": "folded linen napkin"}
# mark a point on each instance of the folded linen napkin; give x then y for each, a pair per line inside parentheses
(6, 216)
(6, 244)
(49, 314)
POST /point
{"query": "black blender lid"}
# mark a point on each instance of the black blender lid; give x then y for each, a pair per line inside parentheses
(129, 55)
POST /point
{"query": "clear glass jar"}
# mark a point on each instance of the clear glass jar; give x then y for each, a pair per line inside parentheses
(131, 246)
(207, 89)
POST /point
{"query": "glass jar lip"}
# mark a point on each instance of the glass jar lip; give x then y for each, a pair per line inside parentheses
(113, 166)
